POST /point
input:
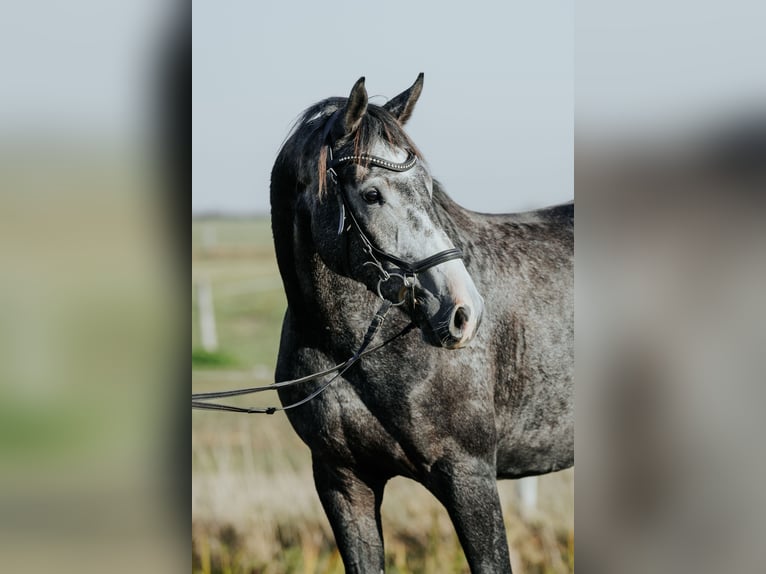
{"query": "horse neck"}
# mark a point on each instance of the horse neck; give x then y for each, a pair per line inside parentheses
(283, 199)
(453, 218)
(322, 303)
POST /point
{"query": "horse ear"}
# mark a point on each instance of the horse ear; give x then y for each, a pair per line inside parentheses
(356, 107)
(402, 105)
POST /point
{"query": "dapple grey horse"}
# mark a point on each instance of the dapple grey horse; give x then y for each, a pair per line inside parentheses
(482, 390)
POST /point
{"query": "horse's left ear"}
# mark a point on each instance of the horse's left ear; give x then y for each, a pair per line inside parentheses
(402, 105)
(356, 107)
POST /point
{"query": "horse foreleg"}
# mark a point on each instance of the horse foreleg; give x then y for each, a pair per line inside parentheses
(468, 490)
(352, 505)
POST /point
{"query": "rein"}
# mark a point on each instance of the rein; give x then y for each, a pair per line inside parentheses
(199, 399)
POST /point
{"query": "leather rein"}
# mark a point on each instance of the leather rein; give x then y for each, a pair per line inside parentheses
(404, 270)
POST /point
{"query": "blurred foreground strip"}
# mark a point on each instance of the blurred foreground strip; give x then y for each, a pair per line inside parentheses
(670, 284)
(89, 356)
(87, 361)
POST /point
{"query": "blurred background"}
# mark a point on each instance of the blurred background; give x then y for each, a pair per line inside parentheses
(254, 506)
(90, 303)
(498, 92)
(670, 175)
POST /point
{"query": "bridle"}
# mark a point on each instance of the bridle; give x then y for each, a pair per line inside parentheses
(405, 270)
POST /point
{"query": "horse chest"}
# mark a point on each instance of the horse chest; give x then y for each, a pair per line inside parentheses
(346, 429)
(396, 432)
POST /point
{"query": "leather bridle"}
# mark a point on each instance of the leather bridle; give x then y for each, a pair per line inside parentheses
(405, 270)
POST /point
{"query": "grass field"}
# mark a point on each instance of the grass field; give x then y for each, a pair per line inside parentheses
(254, 507)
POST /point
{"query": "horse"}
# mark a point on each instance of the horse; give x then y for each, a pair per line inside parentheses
(480, 390)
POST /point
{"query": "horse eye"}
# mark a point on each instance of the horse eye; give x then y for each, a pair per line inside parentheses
(372, 195)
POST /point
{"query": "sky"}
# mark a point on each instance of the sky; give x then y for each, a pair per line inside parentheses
(496, 118)
(81, 68)
(494, 121)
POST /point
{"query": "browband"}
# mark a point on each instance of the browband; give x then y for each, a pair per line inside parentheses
(364, 158)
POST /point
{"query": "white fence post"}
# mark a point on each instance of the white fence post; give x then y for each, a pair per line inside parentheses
(207, 330)
(528, 494)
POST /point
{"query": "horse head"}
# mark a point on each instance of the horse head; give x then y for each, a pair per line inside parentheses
(375, 220)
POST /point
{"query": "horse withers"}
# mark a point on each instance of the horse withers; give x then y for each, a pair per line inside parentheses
(482, 390)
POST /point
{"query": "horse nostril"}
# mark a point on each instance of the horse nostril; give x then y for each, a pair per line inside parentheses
(460, 318)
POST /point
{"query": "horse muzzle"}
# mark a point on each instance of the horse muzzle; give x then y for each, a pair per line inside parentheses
(462, 326)
(449, 317)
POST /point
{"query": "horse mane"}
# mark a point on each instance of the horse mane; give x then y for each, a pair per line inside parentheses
(305, 151)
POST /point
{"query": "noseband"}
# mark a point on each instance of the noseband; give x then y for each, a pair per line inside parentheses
(405, 270)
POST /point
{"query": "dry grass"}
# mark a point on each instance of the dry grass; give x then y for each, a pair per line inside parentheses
(255, 510)
(254, 507)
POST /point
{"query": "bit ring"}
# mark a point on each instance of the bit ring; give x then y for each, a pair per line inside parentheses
(403, 291)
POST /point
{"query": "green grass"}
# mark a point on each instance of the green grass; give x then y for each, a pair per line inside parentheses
(252, 231)
(202, 359)
(247, 293)
(254, 508)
